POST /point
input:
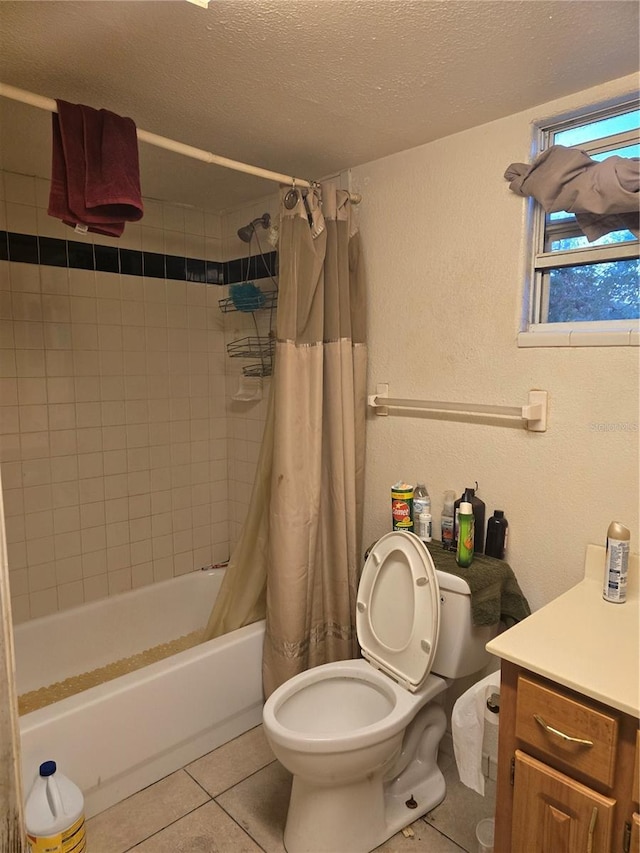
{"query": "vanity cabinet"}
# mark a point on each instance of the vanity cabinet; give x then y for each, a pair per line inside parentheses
(567, 770)
(635, 820)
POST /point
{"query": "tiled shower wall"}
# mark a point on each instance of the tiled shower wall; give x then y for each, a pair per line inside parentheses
(245, 420)
(114, 417)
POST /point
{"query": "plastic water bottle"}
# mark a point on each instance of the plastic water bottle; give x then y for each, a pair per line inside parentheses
(54, 813)
(421, 502)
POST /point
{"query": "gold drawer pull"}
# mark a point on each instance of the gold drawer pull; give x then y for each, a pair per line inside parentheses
(560, 734)
(592, 826)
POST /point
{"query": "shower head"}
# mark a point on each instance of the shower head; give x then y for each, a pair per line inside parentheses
(246, 232)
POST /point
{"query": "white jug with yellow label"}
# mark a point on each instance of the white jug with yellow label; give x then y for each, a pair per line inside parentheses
(54, 814)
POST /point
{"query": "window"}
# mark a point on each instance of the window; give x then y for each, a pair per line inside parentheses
(582, 286)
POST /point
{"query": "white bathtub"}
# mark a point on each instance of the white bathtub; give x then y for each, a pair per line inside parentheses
(118, 737)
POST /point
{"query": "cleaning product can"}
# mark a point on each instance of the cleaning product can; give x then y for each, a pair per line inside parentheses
(616, 563)
(54, 813)
(446, 520)
(464, 548)
(497, 533)
(402, 506)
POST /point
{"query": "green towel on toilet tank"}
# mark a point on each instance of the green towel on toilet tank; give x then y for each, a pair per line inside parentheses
(495, 593)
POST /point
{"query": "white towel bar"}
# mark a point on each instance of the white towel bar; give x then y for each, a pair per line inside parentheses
(533, 414)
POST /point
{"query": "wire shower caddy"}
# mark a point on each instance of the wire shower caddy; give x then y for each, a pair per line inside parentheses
(259, 348)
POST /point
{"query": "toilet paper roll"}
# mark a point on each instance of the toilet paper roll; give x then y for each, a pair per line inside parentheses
(468, 722)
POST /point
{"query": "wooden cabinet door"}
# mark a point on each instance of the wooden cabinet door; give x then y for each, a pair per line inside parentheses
(634, 846)
(553, 813)
(635, 796)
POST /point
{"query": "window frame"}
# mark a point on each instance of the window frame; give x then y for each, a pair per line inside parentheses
(538, 332)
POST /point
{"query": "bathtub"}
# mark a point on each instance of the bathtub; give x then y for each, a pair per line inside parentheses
(117, 737)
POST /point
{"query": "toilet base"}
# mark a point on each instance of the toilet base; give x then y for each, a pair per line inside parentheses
(418, 780)
(428, 793)
(359, 816)
(327, 820)
(357, 820)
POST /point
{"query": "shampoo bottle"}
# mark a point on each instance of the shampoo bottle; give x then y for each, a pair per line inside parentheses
(464, 549)
(497, 531)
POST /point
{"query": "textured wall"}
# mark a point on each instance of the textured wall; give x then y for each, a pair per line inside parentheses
(445, 252)
(340, 83)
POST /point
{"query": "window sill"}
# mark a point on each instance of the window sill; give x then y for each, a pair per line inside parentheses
(567, 338)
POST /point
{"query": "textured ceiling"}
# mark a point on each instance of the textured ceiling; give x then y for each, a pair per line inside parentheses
(303, 87)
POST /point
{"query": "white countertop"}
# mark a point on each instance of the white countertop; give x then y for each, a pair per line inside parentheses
(583, 642)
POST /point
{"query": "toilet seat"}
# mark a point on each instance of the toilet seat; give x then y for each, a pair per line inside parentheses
(398, 609)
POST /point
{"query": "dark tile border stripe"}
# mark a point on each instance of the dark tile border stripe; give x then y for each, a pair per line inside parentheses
(260, 266)
(30, 249)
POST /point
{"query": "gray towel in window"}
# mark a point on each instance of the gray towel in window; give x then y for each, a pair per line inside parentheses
(603, 195)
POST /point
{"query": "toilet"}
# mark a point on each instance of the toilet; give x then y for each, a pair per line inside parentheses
(361, 737)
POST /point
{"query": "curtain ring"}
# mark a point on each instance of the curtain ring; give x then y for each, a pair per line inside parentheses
(291, 196)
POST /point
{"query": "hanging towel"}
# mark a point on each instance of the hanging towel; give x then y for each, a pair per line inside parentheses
(604, 196)
(95, 176)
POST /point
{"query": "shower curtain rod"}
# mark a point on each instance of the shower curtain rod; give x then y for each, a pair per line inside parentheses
(49, 104)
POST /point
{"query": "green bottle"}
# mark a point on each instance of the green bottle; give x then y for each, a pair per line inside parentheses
(464, 550)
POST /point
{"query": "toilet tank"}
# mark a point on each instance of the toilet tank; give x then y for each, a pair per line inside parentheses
(461, 644)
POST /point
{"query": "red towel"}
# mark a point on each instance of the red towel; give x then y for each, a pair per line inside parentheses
(95, 177)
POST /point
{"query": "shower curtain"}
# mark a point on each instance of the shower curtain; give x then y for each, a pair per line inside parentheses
(297, 561)
(12, 834)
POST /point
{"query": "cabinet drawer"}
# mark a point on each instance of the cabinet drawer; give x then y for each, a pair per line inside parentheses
(567, 731)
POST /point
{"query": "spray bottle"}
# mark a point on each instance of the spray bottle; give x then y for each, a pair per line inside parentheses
(616, 563)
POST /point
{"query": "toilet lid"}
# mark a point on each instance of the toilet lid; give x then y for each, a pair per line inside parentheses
(398, 609)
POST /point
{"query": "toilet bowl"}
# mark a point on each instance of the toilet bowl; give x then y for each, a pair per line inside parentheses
(361, 737)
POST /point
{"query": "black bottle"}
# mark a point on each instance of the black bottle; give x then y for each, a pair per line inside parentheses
(496, 535)
(478, 507)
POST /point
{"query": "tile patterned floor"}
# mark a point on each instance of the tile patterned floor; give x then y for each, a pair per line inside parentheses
(234, 800)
